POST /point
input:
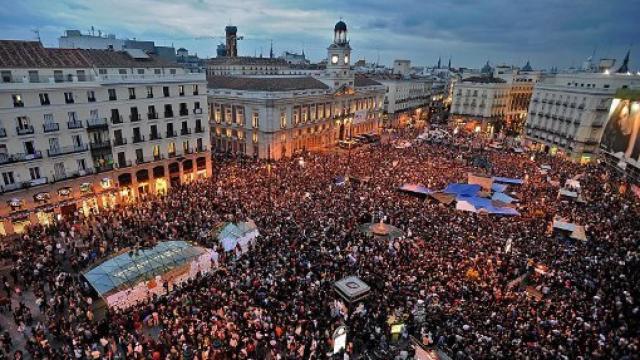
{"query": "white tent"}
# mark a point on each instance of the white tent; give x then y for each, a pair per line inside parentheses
(577, 231)
(241, 233)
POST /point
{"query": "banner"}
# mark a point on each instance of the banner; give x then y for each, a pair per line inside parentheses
(360, 117)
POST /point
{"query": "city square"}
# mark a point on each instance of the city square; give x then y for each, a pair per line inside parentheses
(155, 204)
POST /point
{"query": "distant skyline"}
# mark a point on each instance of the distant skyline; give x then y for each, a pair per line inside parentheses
(548, 33)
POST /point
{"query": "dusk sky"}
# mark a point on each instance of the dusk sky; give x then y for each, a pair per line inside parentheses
(547, 32)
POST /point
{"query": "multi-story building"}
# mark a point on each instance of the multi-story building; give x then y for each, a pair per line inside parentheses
(568, 112)
(406, 99)
(277, 115)
(84, 129)
(504, 95)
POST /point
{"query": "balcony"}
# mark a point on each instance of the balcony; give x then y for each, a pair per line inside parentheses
(185, 131)
(197, 111)
(67, 150)
(100, 145)
(168, 114)
(137, 139)
(134, 117)
(3, 133)
(19, 157)
(75, 124)
(201, 149)
(119, 142)
(152, 116)
(104, 168)
(116, 119)
(25, 130)
(50, 127)
(171, 134)
(98, 123)
(154, 136)
(132, 97)
(171, 155)
(123, 164)
(199, 130)
(184, 112)
(72, 175)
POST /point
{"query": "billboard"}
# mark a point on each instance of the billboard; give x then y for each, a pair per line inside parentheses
(620, 136)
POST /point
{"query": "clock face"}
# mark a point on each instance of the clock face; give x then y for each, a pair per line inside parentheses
(346, 59)
(334, 59)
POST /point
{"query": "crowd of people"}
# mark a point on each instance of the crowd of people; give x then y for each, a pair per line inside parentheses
(449, 279)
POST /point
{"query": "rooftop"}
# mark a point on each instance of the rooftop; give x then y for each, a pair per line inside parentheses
(274, 83)
(361, 81)
(484, 80)
(31, 54)
(246, 60)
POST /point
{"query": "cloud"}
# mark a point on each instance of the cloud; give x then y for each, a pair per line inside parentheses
(548, 32)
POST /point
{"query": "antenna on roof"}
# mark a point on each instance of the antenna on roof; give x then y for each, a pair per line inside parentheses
(93, 33)
(36, 31)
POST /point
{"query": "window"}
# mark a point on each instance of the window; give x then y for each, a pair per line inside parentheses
(81, 75)
(34, 172)
(73, 117)
(5, 75)
(255, 119)
(149, 92)
(195, 90)
(44, 99)
(112, 95)
(122, 71)
(82, 165)
(140, 71)
(181, 90)
(17, 100)
(76, 140)
(8, 178)
(57, 76)
(33, 76)
(172, 71)
(165, 91)
(102, 71)
(91, 96)
(168, 111)
(283, 119)
(139, 156)
(132, 93)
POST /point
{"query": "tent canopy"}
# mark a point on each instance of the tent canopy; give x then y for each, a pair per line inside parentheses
(568, 193)
(415, 189)
(577, 231)
(499, 187)
(462, 189)
(477, 204)
(507, 180)
(502, 197)
(126, 270)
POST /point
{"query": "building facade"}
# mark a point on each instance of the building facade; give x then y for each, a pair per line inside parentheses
(85, 129)
(497, 99)
(407, 99)
(276, 116)
(568, 112)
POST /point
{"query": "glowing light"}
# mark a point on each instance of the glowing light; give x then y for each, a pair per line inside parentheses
(477, 129)
(606, 72)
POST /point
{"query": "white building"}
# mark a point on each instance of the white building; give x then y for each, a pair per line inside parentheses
(568, 112)
(406, 98)
(85, 129)
(275, 115)
(500, 95)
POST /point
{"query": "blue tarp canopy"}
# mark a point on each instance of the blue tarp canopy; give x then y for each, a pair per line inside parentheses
(499, 187)
(462, 189)
(507, 180)
(415, 189)
(127, 270)
(489, 206)
(502, 197)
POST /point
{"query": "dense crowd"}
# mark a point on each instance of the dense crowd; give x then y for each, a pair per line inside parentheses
(276, 301)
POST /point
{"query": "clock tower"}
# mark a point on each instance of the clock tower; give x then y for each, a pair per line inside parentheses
(338, 73)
